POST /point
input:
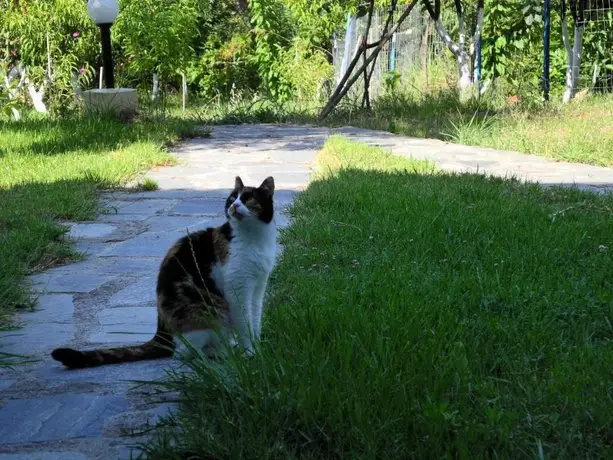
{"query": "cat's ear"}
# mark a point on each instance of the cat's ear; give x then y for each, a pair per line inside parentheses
(268, 185)
(238, 183)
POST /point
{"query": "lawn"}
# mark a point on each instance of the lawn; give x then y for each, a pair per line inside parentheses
(52, 171)
(416, 314)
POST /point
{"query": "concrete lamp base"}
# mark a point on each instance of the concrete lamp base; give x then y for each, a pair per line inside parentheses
(121, 101)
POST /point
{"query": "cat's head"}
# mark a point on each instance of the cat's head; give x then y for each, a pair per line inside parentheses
(251, 203)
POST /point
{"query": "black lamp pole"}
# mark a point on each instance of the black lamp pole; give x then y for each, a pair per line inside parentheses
(107, 56)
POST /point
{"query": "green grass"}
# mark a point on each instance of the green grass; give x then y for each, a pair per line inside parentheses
(147, 185)
(419, 315)
(51, 171)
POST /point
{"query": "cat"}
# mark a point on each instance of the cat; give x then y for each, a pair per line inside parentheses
(210, 285)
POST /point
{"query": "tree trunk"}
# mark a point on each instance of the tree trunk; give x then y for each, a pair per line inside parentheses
(465, 81)
(573, 59)
(184, 91)
(37, 97)
(156, 87)
(462, 50)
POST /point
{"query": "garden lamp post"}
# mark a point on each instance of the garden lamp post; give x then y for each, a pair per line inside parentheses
(104, 13)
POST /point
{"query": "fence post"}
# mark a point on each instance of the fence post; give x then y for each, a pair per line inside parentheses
(546, 38)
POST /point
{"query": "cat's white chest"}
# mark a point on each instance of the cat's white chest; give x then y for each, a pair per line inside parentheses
(252, 260)
(248, 261)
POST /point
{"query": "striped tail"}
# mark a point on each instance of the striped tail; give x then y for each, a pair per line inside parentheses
(160, 346)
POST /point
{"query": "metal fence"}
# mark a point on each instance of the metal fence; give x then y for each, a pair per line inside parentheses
(596, 68)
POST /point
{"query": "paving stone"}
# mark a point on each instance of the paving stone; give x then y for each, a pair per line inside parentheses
(139, 292)
(113, 336)
(57, 417)
(198, 207)
(44, 455)
(68, 283)
(147, 207)
(171, 195)
(89, 247)
(145, 371)
(51, 308)
(5, 384)
(204, 224)
(173, 223)
(35, 338)
(126, 325)
(127, 317)
(282, 220)
(136, 421)
(147, 244)
(114, 217)
(131, 265)
(90, 230)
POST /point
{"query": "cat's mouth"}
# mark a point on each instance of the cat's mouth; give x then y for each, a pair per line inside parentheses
(235, 213)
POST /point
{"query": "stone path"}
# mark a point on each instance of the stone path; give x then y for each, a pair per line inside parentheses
(47, 412)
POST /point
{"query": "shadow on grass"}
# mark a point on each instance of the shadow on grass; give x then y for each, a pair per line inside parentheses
(442, 308)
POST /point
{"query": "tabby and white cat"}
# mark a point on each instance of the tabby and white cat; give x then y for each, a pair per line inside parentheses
(211, 280)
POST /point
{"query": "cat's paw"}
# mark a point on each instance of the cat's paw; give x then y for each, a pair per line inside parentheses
(249, 352)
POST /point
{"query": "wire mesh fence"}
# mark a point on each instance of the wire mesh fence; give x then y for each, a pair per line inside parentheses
(596, 68)
(415, 52)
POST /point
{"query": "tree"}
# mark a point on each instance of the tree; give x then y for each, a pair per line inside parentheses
(44, 44)
(156, 37)
(573, 51)
(464, 48)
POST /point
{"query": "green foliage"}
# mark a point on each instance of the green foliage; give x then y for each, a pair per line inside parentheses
(156, 36)
(225, 65)
(51, 39)
(511, 39)
(270, 20)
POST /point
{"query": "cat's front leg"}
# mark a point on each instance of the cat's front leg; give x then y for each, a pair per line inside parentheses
(239, 297)
(258, 306)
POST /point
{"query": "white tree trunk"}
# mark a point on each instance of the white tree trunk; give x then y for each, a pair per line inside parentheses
(184, 91)
(156, 87)
(462, 51)
(37, 97)
(462, 57)
(573, 61)
(465, 82)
